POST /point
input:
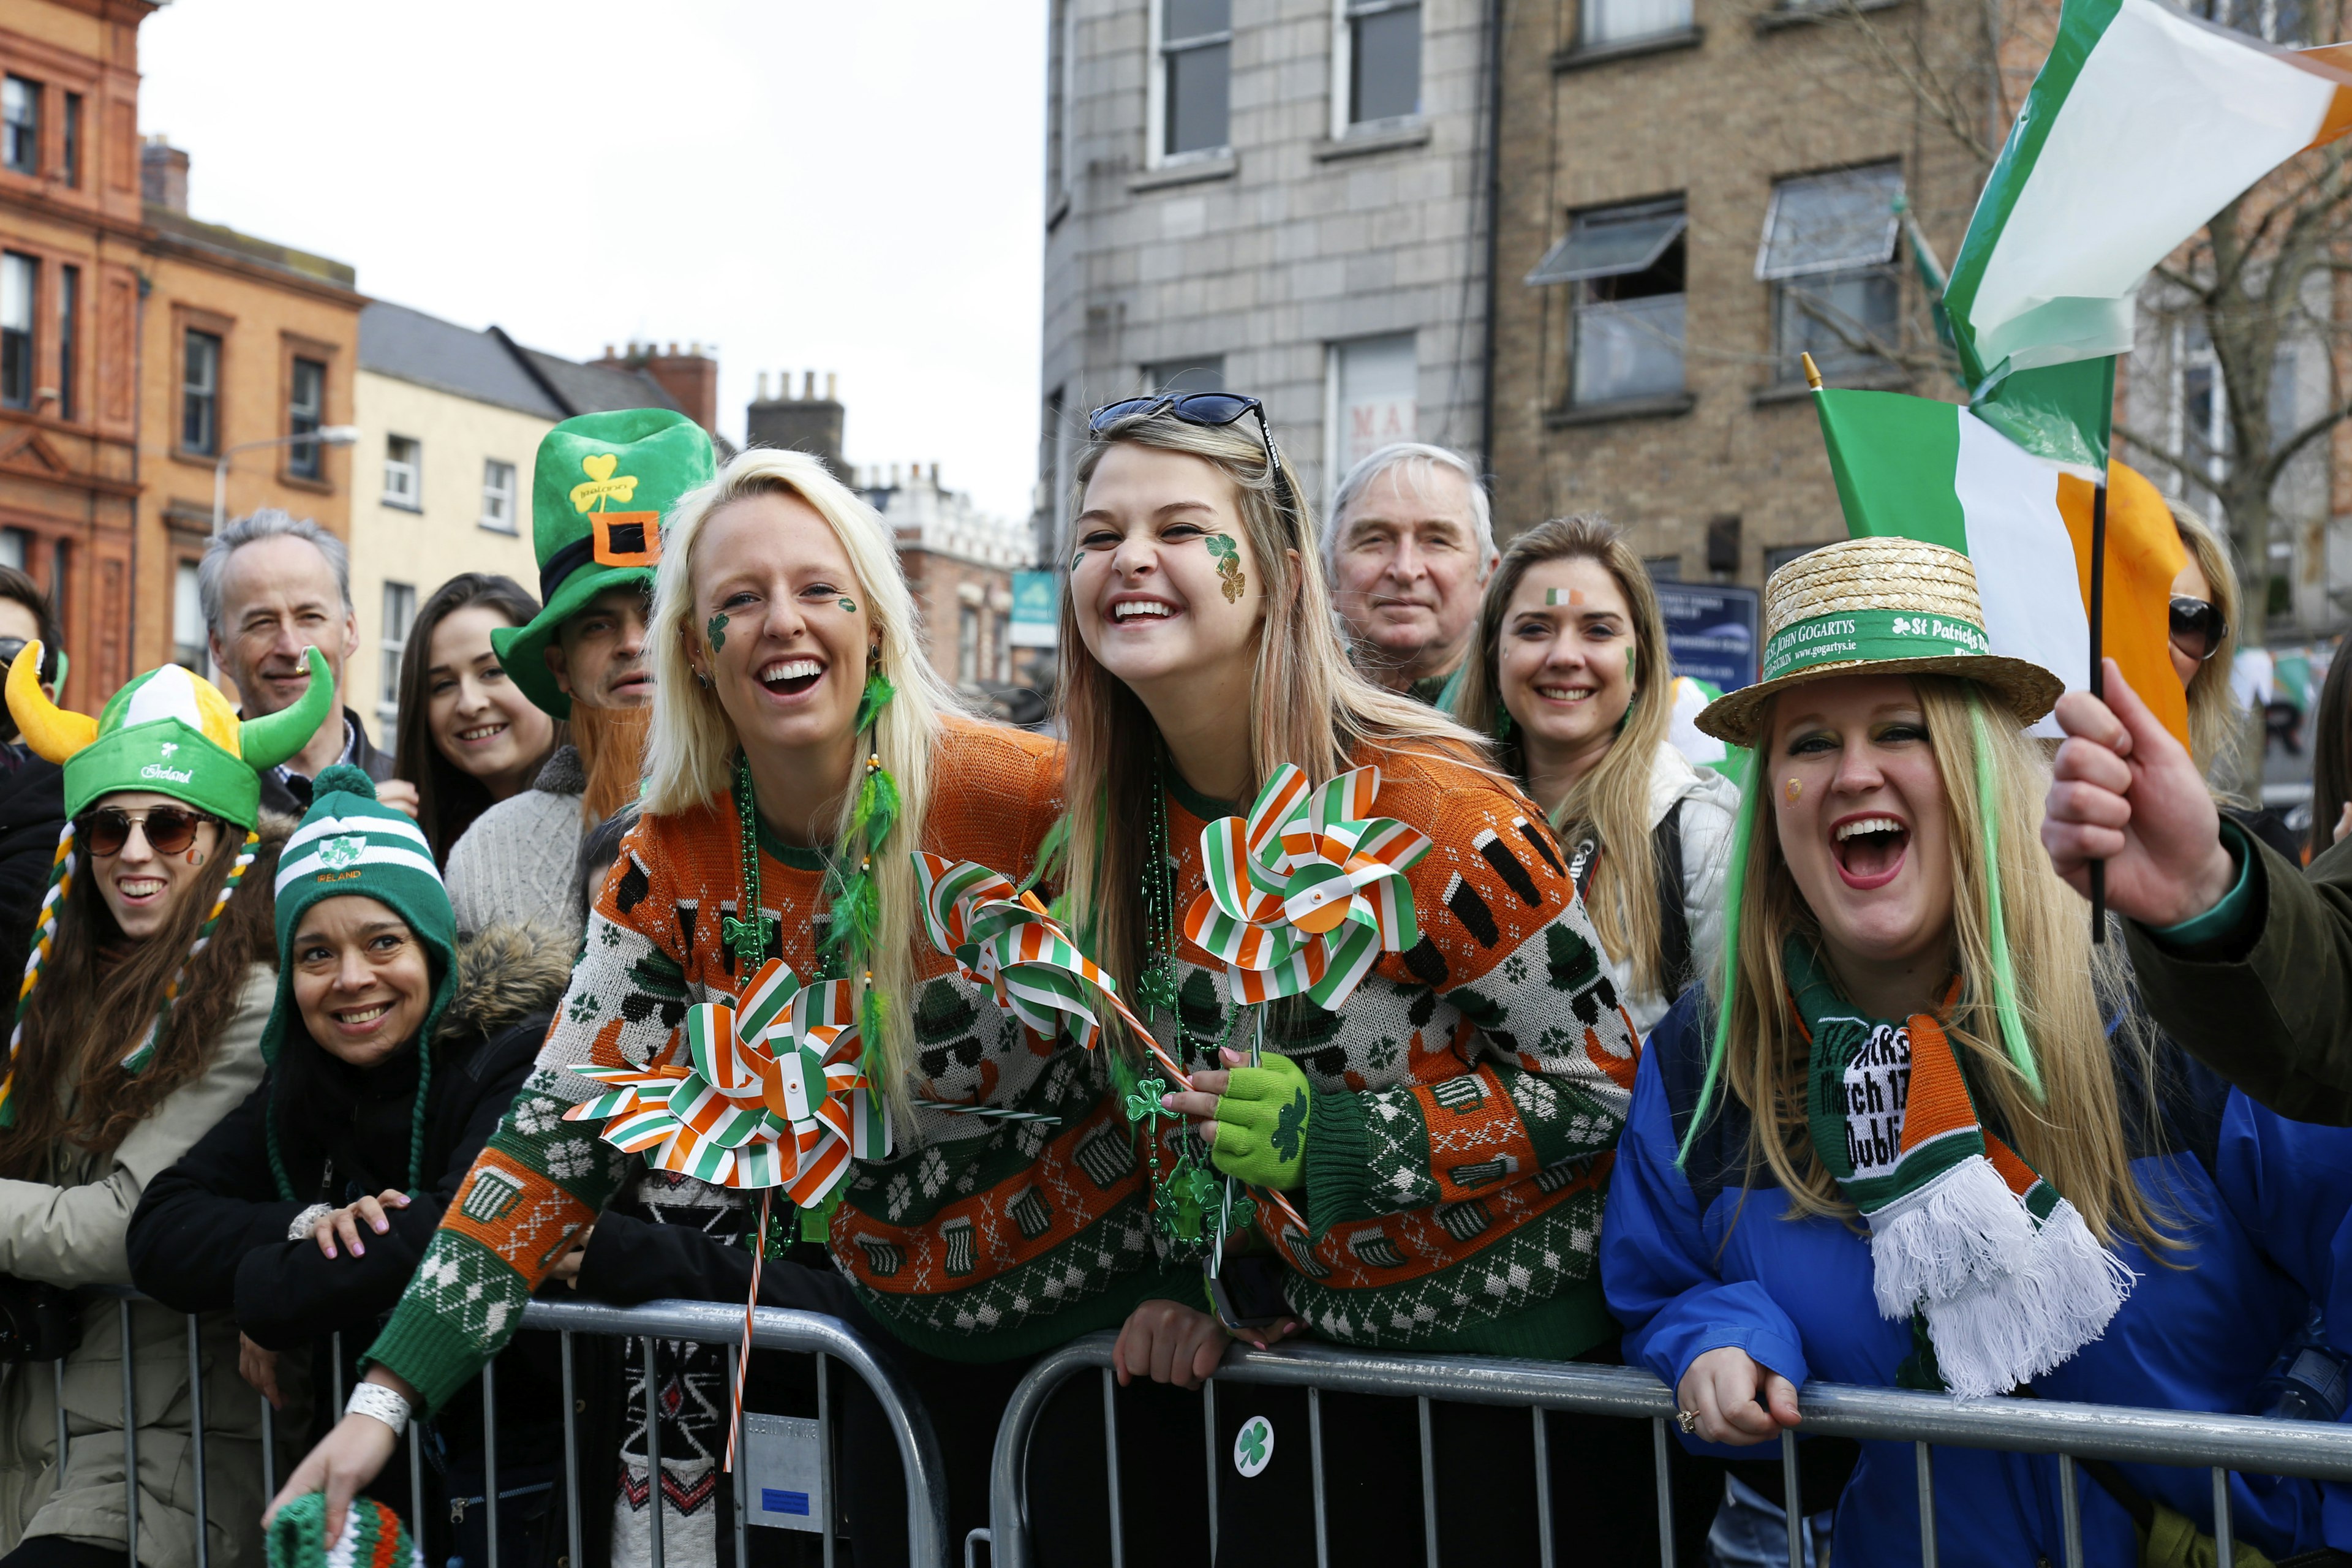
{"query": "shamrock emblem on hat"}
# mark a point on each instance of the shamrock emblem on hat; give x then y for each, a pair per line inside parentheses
(339, 853)
(167, 748)
(770, 1093)
(1003, 938)
(1306, 892)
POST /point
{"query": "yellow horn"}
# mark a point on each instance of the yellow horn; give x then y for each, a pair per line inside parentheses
(52, 732)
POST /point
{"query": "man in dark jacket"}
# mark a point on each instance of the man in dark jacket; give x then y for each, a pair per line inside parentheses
(272, 586)
(32, 790)
(2241, 956)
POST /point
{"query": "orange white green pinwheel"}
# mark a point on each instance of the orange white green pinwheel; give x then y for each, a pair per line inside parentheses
(770, 1093)
(1306, 893)
(1002, 937)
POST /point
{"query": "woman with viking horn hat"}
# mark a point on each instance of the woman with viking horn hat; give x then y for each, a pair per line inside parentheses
(138, 1026)
(802, 747)
(1915, 1130)
(1360, 944)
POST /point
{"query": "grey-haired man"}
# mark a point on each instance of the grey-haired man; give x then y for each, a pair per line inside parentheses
(273, 585)
(1408, 549)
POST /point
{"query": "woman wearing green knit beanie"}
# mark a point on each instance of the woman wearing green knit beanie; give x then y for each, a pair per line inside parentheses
(392, 1052)
(137, 1026)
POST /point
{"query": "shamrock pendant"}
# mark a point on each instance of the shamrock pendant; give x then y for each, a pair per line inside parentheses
(1157, 987)
(743, 937)
(1184, 1202)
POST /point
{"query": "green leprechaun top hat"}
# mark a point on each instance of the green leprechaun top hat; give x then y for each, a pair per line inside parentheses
(597, 495)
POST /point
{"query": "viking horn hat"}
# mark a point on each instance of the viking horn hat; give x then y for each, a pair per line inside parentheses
(170, 732)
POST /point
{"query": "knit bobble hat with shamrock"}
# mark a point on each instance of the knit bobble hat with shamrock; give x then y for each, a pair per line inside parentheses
(349, 843)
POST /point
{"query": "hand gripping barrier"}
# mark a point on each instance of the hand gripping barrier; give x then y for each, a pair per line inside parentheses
(702, 1322)
(2223, 1443)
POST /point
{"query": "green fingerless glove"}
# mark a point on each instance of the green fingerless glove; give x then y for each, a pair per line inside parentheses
(1261, 1125)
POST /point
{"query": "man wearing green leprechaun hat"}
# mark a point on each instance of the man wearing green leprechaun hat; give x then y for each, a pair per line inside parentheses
(599, 490)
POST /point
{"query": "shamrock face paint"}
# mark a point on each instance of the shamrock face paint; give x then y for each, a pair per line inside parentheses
(849, 606)
(1228, 556)
(714, 631)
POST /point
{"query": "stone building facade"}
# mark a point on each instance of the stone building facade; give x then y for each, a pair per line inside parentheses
(1659, 271)
(1282, 197)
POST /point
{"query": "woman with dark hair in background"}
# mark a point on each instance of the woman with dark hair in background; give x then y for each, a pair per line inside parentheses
(468, 737)
(32, 789)
(2331, 758)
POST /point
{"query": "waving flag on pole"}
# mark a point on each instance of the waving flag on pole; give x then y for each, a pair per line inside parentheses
(1917, 468)
(2143, 123)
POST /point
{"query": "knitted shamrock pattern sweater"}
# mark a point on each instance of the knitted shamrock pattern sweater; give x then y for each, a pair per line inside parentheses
(1468, 1094)
(978, 1239)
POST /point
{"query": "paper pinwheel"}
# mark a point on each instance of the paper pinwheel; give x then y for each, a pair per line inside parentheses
(770, 1093)
(1003, 937)
(1306, 893)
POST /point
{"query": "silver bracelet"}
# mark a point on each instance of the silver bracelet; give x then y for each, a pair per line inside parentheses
(307, 1220)
(384, 1404)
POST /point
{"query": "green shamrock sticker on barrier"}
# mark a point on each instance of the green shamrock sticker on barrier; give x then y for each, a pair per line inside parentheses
(1254, 1446)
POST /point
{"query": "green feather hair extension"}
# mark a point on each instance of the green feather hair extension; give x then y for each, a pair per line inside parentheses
(2004, 975)
(1734, 891)
(877, 697)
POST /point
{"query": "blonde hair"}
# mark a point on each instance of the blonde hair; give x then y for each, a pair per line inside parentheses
(1611, 802)
(1307, 705)
(2075, 1135)
(2216, 721)
(692, 751)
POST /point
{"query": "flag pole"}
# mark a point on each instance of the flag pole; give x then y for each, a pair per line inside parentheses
(2099, 673)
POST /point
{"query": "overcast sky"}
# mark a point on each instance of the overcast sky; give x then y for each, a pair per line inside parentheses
(850, 188)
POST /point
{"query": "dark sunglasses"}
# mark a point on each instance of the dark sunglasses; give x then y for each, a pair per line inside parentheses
(168, 829)
(1213, 409)
(2198, 629)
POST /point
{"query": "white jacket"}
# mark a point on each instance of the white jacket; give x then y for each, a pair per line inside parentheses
(1709, 802)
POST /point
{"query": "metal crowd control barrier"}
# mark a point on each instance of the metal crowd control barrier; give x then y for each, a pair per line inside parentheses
(701, 1323)
(2223, 1443)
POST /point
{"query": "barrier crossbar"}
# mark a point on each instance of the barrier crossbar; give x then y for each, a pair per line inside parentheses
(2220, 1443)
(701, 1323)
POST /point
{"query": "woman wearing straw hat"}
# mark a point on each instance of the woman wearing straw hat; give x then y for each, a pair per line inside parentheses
(982, 1200)
(1569, 673)
(1912, 1133)
(143, 1007)
(1362, 944)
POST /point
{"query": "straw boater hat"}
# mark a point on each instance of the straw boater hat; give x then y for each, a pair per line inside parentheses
(1883, 606)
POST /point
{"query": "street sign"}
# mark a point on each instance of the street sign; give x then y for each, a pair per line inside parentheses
(1036, 610)
(1711, 632)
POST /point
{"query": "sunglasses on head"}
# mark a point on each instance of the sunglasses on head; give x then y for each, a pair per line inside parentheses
(168, 829)
(2198, 629)
(1212, 409)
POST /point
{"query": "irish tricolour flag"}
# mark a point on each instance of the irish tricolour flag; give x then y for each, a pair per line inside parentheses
(2142, 124)
(1916, 468)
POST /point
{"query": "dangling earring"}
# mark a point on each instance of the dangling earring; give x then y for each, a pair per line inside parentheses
(703, 680)
(874, 658)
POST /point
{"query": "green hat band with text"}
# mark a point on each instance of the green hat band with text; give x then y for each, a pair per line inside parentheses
(1870, 636)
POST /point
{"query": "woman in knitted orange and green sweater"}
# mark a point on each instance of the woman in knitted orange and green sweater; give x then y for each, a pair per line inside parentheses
(780, 627)
(1443, 1126)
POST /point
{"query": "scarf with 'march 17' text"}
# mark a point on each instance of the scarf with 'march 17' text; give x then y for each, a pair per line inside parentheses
(1963, 1232)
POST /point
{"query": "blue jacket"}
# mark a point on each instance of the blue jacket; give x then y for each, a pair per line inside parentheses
(1702, 1257)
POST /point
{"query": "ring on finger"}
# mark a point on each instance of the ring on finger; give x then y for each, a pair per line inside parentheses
(1687, 1420)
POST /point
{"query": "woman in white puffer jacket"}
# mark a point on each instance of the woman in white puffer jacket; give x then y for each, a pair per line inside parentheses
(1573, 681)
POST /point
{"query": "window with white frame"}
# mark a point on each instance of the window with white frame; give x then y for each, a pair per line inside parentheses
(305, 406)
(190, 649)
(20, 124)
(967, 644)
(1625, 326)
(1828, 254)
(404, 472)
(1192, 76)
(200, 363)
(20, 278)
(1196, 372)
(499, 495)
(2201, 405)
(399, 615)
(1373, 394)
(1379, 55)
(1605, 22)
